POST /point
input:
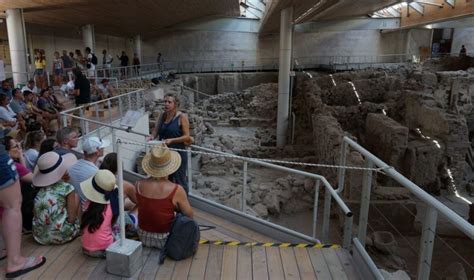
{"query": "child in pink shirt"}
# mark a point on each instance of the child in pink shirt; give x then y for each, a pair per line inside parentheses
(101, 213)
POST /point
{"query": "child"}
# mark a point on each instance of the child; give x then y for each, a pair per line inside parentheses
(101, 213)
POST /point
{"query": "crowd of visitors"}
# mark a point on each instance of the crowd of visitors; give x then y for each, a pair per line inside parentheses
(59, 197)
(57, 193)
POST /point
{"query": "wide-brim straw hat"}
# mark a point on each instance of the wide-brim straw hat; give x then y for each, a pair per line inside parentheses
(161, 162)
(95, 187)
(51, 167)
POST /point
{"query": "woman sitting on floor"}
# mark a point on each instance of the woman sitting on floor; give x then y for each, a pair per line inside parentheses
(158, 198)
(56, 204)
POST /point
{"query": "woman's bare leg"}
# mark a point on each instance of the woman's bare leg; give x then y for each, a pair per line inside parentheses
(10, 200)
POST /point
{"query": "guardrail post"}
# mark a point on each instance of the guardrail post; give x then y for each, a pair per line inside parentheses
(346, 242)
(365, 202)
(120, 107)
(243, 200)
(137, 96)
(64, 120)
(428, 232)
(315, 208)
(96, 107)
(114, 147)
(129, 98)
(342, 171)
(326, 215)
(190, 170)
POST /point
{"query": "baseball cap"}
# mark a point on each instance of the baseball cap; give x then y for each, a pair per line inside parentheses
(93, 144)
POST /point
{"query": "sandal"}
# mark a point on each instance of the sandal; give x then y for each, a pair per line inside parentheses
(29, 266)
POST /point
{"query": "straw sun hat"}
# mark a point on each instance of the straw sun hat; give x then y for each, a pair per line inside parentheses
(161, 162)
(95, 188)
(51, 167)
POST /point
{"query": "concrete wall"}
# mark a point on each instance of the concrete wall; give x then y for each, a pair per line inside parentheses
(215, 45)
(192, 45)
(463, 36)
(405, 41)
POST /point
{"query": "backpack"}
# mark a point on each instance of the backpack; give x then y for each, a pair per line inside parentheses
(183, 239)
(94, 59)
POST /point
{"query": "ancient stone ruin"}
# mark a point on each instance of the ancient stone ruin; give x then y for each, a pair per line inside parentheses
(416, 119)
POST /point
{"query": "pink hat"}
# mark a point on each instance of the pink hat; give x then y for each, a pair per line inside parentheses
(51, 167)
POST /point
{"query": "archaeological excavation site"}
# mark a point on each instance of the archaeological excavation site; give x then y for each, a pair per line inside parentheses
(416, 118)
(237, 139)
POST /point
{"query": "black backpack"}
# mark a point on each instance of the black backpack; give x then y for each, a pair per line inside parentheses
(183, 240)
(94, 59)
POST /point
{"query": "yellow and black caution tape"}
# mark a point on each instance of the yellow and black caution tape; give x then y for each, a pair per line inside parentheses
(270, 244)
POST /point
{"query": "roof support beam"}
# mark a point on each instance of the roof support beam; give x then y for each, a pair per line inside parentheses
(349, 24)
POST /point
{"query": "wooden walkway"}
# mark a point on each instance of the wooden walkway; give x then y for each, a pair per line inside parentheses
(210, 262)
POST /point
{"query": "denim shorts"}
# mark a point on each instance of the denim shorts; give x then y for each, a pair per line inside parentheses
(8, 175)
(39, 72)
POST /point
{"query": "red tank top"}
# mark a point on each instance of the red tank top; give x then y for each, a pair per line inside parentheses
(156, 214)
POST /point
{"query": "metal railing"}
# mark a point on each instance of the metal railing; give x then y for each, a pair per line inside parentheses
(110, 127)
(430, 216)
(133, 100)
(260, 64)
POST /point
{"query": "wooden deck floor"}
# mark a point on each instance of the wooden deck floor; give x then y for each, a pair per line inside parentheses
(210, 262)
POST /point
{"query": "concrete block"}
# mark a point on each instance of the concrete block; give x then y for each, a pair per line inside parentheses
(124, 260)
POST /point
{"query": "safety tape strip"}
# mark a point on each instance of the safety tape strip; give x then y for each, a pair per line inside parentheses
(270, 244)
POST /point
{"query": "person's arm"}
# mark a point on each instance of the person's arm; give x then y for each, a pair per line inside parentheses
(130, 192)
(182, 202)
(28, 178)
(154, 132)
(72, 205)
(186, 138)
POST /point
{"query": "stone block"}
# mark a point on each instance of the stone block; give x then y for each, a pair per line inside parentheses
(124, 260)
(386, 138)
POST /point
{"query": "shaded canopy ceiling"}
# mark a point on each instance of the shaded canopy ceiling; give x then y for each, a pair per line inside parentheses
(151, 17)
(120, 17)
(306, 10)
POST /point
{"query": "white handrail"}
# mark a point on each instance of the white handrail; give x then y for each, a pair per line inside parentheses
(451, 216)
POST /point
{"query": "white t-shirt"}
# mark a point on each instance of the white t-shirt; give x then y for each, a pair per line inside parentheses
(7, 114)
(108, 61)
(89, 60)
(25, 88)
(69, 86)
(103, 88)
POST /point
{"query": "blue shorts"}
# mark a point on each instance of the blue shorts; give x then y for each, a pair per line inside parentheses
(8, 176)
(39, 72)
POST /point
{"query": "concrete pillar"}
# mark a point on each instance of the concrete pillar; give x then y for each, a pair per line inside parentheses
(137, 47)
(286, 39)
(88, 36)
(17, 43)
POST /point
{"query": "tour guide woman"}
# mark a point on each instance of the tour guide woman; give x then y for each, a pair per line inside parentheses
(173, 129)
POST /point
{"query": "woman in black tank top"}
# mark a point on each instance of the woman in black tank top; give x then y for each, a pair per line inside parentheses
(173, 129)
